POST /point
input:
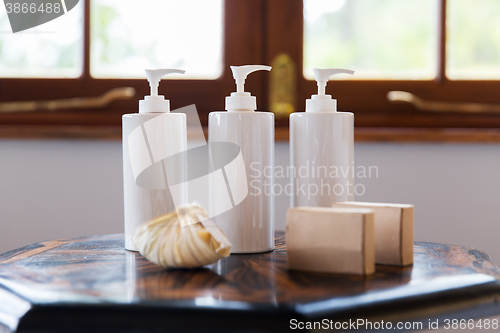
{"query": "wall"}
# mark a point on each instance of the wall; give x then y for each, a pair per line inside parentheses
(56, 189)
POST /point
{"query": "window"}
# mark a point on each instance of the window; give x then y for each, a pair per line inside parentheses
(438, 50)
(53, 50)
(382, 39)
(126, 39)
(473, 44)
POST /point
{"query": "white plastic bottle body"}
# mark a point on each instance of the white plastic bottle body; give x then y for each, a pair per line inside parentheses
(249, 225)
(148, 140)
(321, 158)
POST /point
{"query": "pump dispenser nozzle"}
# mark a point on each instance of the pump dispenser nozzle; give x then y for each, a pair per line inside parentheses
(241, 100)
(155, 102)
(322, 102)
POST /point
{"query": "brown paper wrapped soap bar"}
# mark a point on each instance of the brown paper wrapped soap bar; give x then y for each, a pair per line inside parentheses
(334, 240)
(393, 231)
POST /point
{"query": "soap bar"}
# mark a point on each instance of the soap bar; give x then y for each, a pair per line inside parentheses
(333, 240)
(393, 231)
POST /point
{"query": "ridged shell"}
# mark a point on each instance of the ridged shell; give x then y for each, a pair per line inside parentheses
(180, 240)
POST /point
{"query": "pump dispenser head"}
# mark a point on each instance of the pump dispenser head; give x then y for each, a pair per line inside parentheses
(155, 102)
(322, 102)
(241, 100)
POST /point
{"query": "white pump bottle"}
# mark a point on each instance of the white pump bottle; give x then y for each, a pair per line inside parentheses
(149, 138)
(249, 224)
(322, 149)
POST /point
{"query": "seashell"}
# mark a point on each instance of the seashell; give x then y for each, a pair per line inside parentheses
(186, 238)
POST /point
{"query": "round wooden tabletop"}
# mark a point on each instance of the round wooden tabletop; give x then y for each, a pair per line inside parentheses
(93, 283)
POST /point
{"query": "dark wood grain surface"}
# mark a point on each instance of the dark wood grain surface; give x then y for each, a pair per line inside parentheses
(93, 284)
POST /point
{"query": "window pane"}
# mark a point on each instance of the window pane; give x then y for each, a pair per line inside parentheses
(473, 45)
(379, 39)
(50, 50)
(128, 37)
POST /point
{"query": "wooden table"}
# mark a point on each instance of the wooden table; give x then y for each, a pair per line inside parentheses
(93, 284)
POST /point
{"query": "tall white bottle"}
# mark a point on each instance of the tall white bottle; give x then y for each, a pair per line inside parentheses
(322, 149)
(149, 138)
(249, 224)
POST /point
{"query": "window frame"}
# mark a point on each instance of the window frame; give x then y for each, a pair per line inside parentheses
(256, 32)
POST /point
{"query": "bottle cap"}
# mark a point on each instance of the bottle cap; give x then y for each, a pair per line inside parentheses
(241, 100)
(322, 102)
(155, 102)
